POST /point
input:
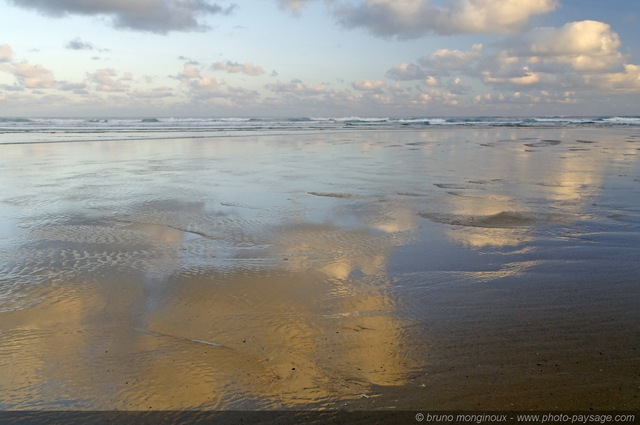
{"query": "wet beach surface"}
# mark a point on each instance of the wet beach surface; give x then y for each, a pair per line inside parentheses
(472, 268)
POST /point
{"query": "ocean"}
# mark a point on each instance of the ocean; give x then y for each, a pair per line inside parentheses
(40, 130)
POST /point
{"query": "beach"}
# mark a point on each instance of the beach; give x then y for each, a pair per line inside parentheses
(406, 268)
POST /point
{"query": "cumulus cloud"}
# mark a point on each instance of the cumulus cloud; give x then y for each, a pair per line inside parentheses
(569, 57)
(580, 55)
(159, 16)
(234, 68)
(415, 18)
(6, 53)
(584, 46)
(405, 72)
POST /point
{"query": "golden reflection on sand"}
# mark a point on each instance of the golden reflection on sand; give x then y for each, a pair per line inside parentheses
(297, 334)
(317, 326)
(283, 341)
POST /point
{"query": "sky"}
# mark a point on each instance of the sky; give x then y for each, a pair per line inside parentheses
(319, 58)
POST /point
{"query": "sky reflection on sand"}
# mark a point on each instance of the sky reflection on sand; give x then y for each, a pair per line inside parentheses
(282, 271)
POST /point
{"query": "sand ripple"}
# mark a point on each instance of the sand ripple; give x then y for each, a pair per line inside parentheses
(89, 234)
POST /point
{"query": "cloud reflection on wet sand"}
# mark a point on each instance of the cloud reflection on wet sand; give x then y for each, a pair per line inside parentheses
(319, 270)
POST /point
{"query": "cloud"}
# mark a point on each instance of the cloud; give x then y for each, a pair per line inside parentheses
(456, 86)
(32, 76)
(192, 78)
(77, 88)
(415, 18)
(189, 72)
(436, 96)
(405, 72)
(581, 55)
(528, 78)
(298, 88)
(432, 81)
(234, 67)
(368, 85)
(293, 5)
(103, 80)
(159, 16)
(188, 60)
(567, 57)
(78, 44)
(626, 81)
(207, 90)
(584, 46)
(518, 99)
(452, 60)
(28, 76)
(154, 93)
(6, 53)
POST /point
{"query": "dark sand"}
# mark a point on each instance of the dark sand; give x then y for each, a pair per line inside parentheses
(473, 269)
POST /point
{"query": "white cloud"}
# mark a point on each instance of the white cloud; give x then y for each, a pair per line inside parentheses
(452, 60)
(415, 18)
(568, 67)
(625, 81)
(434, 96)
(405, 72)
(523, 80)
(580, 55)
(189, 71)
(207, 90)
(432, 81)
(493, 16)
(583, 45)
(368, 85)
(521, 100)
(457, 86)
(32, 76)
(234, 67)
(159, 16)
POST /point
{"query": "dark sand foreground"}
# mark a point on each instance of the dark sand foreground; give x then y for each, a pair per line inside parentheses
(474, 269)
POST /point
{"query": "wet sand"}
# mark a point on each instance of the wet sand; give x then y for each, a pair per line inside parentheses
(472, 269)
